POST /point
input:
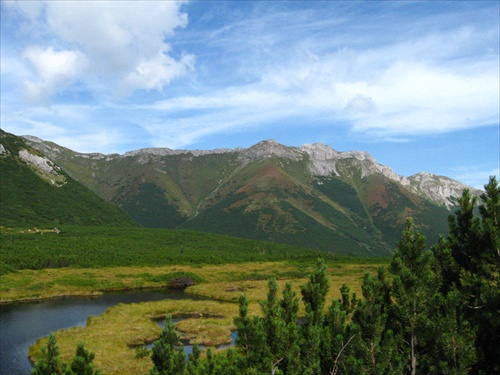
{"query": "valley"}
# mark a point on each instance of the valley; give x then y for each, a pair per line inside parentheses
(234, 229)
(310, 196)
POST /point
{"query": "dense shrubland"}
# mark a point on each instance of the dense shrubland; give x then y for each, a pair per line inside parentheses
(96, 247)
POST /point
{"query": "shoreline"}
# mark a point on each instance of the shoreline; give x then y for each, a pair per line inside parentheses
(92, 294)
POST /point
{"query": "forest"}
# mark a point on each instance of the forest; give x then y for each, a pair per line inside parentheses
(432, 311)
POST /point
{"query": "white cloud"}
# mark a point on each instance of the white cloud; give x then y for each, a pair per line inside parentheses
(54, 69)
(123, 43)
(157, 72)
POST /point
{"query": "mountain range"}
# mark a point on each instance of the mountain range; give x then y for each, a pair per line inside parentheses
(312, 196)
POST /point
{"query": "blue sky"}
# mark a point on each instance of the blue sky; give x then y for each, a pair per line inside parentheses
(414, 83)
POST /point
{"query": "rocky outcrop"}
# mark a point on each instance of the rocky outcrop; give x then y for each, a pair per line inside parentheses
(439, 189)
(3, 151)
(145, 154)
(44, 167)
(323, 161)
(270, 149)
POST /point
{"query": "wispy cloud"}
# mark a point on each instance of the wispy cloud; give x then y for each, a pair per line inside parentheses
(426, 82)
(475, 176)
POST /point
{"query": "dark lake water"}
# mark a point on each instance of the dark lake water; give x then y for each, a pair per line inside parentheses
(21, 324)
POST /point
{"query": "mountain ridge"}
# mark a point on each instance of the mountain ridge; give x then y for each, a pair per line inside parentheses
(323, 160)
(311, 196)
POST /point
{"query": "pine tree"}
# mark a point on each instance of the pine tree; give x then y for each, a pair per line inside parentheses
(451, 349)
(375, 346)
(470, 261)
(290, 309)
(487, 315)
(251, 342)
(313, 295)
(414, 287)
(334, 340)
(49, 362)
(82, 362)
(281, 329)
(274, 327)
(167, 354)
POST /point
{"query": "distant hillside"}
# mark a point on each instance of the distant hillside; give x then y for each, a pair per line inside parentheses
(35, 191)
(312, 196)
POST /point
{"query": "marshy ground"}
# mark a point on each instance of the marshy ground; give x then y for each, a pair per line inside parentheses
(114, 335)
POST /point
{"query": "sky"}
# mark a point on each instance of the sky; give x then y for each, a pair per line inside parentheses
(414, 83)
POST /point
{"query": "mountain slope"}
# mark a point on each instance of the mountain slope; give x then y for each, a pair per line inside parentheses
(35, 191)
(310, 196)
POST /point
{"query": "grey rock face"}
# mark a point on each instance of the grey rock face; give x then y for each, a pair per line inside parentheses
(269, 149)
(44, 166)
(3, 151)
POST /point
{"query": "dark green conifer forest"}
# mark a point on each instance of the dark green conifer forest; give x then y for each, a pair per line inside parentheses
(433, 311)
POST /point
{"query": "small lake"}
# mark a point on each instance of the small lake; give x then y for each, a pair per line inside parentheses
(21, 324)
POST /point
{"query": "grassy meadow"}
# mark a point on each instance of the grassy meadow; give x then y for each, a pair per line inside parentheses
(114, 335)
(105, 259)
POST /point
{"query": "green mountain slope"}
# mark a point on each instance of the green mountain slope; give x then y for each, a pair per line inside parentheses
(311, 196)
(34, 191)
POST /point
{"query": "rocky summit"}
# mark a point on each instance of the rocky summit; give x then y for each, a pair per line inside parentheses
(313, 195)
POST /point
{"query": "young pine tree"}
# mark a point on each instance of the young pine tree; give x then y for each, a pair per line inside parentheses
(290, 310)
(335, 340)
(414, 287)
(313, 295)
(82, 363)
(167, 354)
(375, 346)
(451, 350)
(280, 321)
(49, 363)
(251, 342)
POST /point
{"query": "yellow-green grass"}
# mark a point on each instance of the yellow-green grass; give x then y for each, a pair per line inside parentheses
(50, 283)
(256, 290)
(114, 334)
(230, 279)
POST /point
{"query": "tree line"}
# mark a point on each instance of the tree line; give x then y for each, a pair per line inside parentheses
(433, 311)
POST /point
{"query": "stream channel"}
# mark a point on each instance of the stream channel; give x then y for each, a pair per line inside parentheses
(21, 324)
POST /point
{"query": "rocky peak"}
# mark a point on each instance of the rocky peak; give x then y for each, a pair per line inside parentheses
(270, 149)
(440, 189)
(320, 151)
(47, 148)
(323, 161)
